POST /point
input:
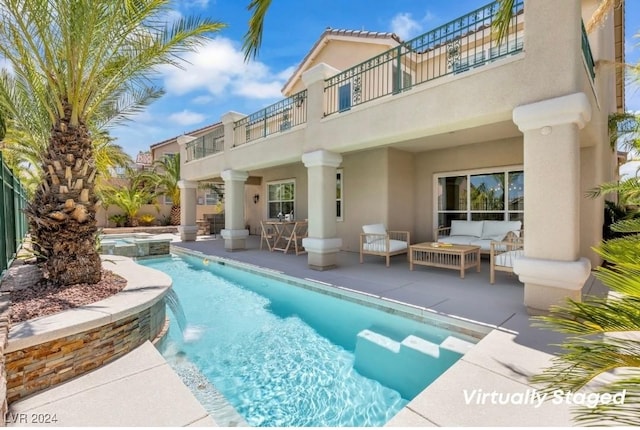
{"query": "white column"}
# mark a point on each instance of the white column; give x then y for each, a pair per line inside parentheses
(228, 122)
(322, 245)
(188, 228)
(552, 269)
(313, 80)
(182, 144)
(234, 233)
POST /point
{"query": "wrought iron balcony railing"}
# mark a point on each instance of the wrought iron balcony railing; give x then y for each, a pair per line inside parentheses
(210, 143)
(280, 116)
(455, 47)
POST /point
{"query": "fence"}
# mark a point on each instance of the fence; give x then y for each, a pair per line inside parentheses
(13, 222)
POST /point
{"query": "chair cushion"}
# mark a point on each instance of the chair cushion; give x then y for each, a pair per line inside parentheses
(497, 230)
(458, 240)
(374, 229)
(380, 245)
(466, 228)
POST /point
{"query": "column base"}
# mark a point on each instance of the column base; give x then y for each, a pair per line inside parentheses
(322, 254)
(234, 240)
(551, 282)
(188, 233)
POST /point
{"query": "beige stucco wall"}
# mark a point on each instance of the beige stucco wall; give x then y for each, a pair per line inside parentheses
(366, 194)
(102, 215)
(489, 154)
(254, 213)
(401, 190)
(169, 148)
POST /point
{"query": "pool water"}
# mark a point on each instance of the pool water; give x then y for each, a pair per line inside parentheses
(283, 355)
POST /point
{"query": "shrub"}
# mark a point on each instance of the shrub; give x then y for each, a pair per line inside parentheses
(147, 219)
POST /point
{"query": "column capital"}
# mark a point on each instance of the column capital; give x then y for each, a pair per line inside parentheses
(183, 185)
(234, 175)
(571, 109)
(321, 158)
(184, 139)
(317, 73)
(231, 116)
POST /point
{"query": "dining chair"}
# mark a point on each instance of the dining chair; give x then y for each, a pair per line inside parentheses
(267, 235)
(299, 232)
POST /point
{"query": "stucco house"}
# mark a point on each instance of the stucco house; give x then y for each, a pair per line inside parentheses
(407, 133)
(207, 199)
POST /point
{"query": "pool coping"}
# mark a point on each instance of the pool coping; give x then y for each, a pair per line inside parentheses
(473, 329)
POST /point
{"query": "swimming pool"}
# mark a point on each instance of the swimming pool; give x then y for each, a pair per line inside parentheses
(287, 355)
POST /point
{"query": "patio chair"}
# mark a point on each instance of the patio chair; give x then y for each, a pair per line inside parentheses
(376, 240)
(268, 235)
(503, 254)
(298, 233)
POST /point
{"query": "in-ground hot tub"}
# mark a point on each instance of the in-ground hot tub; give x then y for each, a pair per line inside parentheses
(134, 244)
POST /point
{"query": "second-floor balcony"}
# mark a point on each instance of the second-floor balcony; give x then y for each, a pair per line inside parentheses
(452, 50)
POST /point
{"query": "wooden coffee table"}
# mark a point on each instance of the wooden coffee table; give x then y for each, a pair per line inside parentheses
(458, 257)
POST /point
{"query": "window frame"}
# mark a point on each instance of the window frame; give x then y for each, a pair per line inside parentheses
(340, 173)
(469, 173)
(269, 201)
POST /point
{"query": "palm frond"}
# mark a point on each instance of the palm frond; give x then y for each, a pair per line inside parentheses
(502, 19)
(625, 410)
(252, 40)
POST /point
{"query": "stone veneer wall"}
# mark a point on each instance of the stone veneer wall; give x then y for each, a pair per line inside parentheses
(41, 366)
(4, 336)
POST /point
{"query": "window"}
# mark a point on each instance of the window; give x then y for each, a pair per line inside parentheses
(281, 196)
(480, 195)
(344, 97)
(400, 86)
(167, 200)
(339, 196)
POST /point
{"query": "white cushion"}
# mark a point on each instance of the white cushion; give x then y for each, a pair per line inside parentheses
(506, 259)
(497, 230)
(466, 228)
(380, 245)
(374, 229)
(484, 244)
(458, 240)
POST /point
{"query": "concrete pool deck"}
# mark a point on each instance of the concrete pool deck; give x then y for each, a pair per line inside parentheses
(501, 361)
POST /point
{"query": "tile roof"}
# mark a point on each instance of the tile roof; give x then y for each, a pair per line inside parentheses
(196, 131)
(340, 32)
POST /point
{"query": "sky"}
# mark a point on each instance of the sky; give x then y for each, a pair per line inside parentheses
(216, 80)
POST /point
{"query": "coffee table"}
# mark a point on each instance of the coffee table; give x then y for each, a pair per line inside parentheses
(458, 257)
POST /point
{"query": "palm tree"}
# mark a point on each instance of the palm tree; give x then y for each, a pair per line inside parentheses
(131, 198)
(165, 177)
(86, 64)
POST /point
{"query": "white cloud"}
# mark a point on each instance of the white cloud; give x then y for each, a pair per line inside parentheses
(186, 117)
(629, 169)
(219, 68)
(203, 100)
(194, 3)
(405, 26)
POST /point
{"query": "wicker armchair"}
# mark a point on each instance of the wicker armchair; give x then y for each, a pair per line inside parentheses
(376, 240)
(504, 253)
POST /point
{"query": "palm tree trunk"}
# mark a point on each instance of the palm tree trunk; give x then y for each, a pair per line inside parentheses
(62, 212)
(175, 215)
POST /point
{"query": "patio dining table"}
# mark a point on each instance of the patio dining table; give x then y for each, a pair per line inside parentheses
(283, 230)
